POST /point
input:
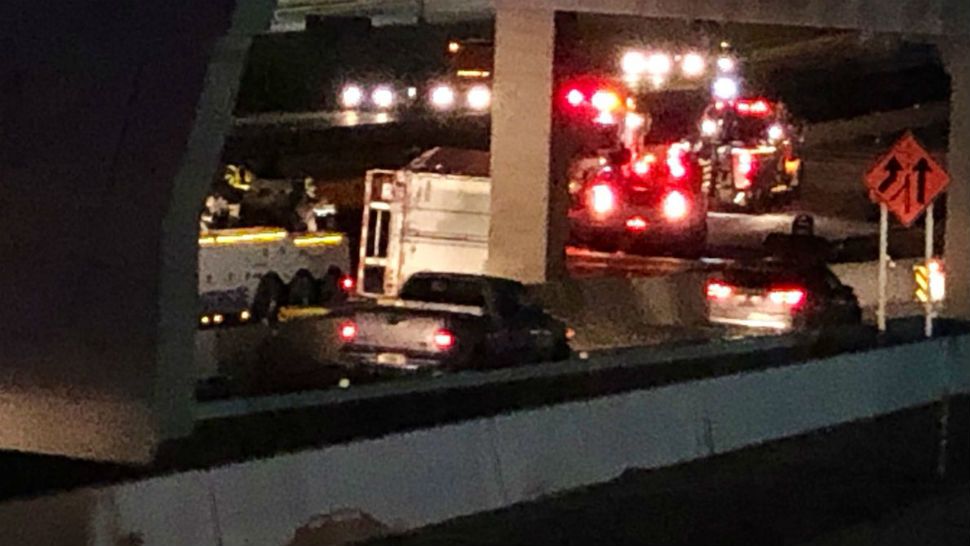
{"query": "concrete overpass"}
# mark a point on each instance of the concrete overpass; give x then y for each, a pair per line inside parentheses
(291, 15)
(100, 252)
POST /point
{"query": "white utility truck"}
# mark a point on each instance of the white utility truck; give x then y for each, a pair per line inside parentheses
(265, 251)
(433, 215)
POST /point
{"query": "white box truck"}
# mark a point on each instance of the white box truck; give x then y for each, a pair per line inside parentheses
(433, 215)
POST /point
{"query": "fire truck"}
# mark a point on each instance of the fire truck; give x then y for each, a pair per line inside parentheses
(637, 188)
(265, 244)
(749, 149)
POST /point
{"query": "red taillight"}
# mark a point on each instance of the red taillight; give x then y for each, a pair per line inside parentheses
(717, 290)
(745, 166)
(602, 198)
(444, 339)
(347, 283)
(575, 97)
(637, 223)
(348, 331)
(675, 206)
(792, 297)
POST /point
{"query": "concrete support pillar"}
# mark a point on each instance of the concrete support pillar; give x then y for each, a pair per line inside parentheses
(113, 128)
(520, 245)
(178, 286)
(956, 53)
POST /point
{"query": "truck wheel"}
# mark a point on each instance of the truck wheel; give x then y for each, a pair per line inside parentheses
(269, 298)
(329, 289)
(303, 290)
(561, 351)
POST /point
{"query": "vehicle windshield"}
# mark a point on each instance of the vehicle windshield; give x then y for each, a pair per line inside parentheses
(746, 128)
(443, 290)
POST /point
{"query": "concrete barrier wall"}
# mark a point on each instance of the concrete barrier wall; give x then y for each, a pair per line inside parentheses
(605, 312)
(863, 277)
(612, 311)
(405, 481)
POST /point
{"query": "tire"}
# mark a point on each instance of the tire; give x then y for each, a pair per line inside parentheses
(303, 290)
(562, 351)
(269, 297)
(328, 288)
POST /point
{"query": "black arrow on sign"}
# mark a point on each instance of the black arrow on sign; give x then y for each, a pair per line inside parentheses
(892, 170)
(905, 193)
(922, 167)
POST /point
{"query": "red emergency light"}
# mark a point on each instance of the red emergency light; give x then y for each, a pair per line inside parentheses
(592, 96)
(753, 107)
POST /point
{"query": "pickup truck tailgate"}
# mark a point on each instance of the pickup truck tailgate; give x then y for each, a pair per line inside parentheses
(407, 328)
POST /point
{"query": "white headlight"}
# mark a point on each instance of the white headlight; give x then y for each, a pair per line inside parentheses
(442, 97)
(776, 132)
(659, 64)
(479, 97)
(725, 88)
(351, 96)
(383, 97)
(634, 120)
(725, 64)
(633, 63)
(708, 127)
(693, 65)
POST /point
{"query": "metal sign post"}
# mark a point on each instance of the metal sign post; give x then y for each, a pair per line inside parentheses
(928, 306)
(883, 264)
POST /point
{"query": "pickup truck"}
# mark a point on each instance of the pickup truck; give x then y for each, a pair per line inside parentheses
(448, 321)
